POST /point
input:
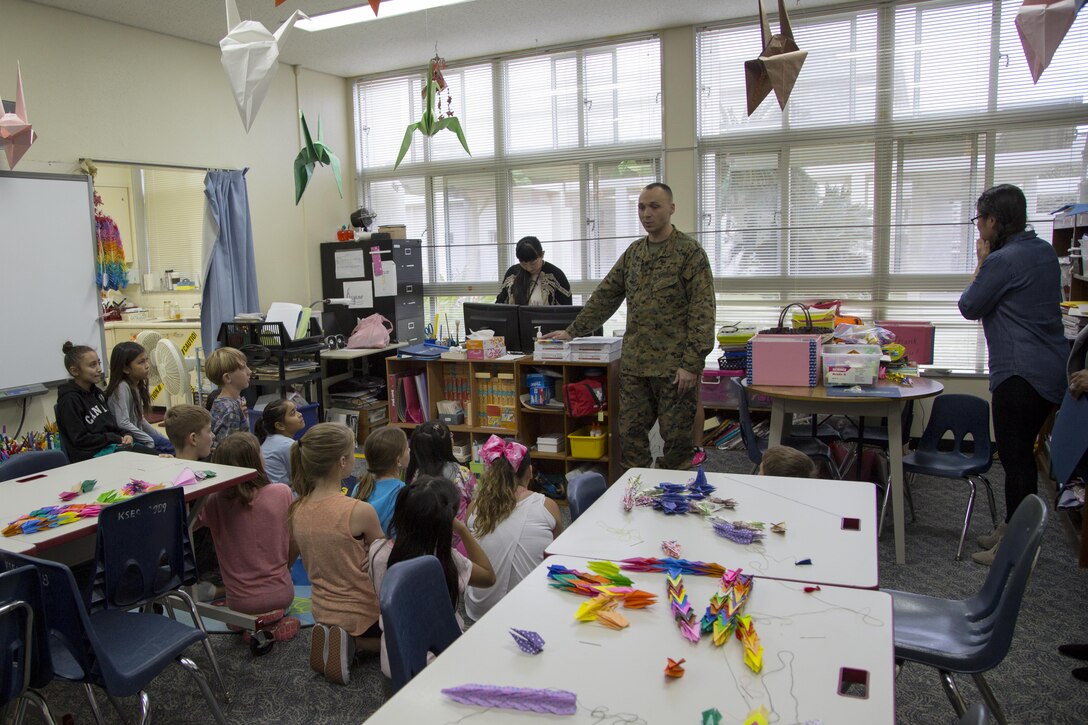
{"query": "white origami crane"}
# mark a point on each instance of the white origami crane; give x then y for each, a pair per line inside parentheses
(16, 133)
(250, 55)
(1042, 25)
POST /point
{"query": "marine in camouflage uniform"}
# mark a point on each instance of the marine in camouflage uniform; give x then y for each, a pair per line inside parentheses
(669, 289)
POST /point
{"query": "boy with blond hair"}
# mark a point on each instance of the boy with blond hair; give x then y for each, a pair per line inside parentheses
(189, 428)
(786, 462)
(227, 367)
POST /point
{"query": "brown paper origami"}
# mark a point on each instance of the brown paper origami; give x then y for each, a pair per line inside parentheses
(778, 66)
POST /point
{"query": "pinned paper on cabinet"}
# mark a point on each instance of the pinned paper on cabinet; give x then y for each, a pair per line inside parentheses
(350, 264)
(385, 284)
(361, 293)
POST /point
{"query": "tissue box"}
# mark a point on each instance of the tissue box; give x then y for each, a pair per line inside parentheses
(551, 350)
(596, 349)
(485, 349)
(551, 444)
(784, 360)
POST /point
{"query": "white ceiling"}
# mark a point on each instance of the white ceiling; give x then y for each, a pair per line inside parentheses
(468, 30)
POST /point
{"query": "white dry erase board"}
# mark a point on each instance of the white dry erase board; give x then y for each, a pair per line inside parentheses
(47, 275)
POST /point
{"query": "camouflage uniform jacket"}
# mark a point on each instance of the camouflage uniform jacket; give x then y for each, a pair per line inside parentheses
(670, 306)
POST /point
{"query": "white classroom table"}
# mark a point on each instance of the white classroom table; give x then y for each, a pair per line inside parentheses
(814, 512)
(807, 639)
(21, 496)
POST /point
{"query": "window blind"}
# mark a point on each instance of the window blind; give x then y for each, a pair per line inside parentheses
(562, 143)
(174, 220)
(864, 187)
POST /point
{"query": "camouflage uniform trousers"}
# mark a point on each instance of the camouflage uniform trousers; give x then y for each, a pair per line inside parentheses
(644, 400)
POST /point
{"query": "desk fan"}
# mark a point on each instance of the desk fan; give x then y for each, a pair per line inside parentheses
(149, 340)
(173, 370)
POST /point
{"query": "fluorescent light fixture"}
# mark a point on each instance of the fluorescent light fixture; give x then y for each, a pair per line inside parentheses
(363, 13)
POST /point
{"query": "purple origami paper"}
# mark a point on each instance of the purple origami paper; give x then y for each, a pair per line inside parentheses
(1042, 25)
(528, 641)
(555, 702)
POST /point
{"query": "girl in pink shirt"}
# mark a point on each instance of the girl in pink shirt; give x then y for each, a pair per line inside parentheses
(249, 525)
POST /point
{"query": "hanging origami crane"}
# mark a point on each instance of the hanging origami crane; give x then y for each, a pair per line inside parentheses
(431, 123)
(250, 55)
(373, 4)
(778, 66)
(16, 133)
(1042, 25)
(314, 152)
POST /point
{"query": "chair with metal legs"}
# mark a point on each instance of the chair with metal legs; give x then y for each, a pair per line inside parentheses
(972, 636)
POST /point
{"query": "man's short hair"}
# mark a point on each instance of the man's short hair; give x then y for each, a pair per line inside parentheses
(660, 185)
(787, 462)
(181, 420)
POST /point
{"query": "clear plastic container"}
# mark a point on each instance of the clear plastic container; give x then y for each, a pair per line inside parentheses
(851, 364)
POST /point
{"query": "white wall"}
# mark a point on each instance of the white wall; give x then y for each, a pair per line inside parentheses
(111, 92)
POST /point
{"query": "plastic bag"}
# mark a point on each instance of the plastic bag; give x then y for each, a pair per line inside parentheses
(863, 335)
(371, 332)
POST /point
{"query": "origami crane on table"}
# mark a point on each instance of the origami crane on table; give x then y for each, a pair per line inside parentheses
(1042, 25)
(778, 66)
(428, 125)
(250, 55)
(16, 133)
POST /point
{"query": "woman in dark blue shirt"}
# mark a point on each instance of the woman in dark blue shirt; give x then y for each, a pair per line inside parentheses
(1016, 291)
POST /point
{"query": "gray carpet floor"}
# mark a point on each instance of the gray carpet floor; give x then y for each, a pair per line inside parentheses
(1033, 683)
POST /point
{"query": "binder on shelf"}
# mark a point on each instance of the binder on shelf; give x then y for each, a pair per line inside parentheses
(420, 380)
(411, 410)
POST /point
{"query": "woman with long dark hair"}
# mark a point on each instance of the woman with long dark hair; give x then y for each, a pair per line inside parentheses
(532, 281)
(1015, 291)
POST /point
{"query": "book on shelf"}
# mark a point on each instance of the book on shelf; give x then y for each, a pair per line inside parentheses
(350, 418)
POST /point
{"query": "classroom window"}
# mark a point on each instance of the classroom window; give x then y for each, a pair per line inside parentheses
(864, 187)
(173, 220)
(562, 143)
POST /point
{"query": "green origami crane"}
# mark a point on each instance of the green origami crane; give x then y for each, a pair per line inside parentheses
(429, 125)
(314, 153)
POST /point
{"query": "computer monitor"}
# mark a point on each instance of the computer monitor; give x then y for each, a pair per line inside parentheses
(548, 318)
(501, 319)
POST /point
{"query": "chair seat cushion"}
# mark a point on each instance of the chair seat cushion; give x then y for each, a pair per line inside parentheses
(943, 633)
(139, 646)
(945, 464)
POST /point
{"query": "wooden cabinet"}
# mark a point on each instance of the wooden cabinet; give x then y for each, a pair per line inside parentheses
(491, 394)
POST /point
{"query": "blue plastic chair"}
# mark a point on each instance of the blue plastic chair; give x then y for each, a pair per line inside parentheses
(962, 415)
(25, 643)
(31, 462)
(976, 714)
(143, 554)
(582, 491)
(118, 651)
(756, 445)
(972, 636)
(417, 616)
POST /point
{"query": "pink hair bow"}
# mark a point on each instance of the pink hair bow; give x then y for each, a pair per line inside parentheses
(512, 451)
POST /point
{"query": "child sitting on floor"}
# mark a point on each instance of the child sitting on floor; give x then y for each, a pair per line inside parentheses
(513, 524)
(424, 519)
(786, 462)
(227, 368)
(387, 454)
(249, 526)
(87, 428)
(129, 397)
(432, 455)
(189, 428)
(334, 533)
(276, 431)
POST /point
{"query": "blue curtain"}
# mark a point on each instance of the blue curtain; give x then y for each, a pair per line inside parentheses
(230, 270)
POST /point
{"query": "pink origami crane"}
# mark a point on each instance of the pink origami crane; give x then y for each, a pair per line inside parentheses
(777, 66)
(1042, 25)
(16, 133)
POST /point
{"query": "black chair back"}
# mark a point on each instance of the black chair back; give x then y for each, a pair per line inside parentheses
(24, 639)
(582, 491)
(31, 462)
(960, 415)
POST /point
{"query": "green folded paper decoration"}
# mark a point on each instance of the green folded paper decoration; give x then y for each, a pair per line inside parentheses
(431, 123)
(314, 152)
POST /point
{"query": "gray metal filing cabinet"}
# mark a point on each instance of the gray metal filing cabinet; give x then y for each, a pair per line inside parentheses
(400, 303)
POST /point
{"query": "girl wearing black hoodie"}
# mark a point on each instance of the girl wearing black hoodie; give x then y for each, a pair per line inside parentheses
(86, 426)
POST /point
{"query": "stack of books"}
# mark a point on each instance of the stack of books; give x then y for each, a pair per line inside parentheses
(1073, 320)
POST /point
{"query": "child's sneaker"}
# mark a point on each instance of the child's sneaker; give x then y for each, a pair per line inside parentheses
(341, 652)
(282, 630)
(319, 648)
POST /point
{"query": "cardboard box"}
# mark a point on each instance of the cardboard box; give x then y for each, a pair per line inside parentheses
(551, 444)
(916, 336)
(596, 349)
(784, 360)
(488, 349)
